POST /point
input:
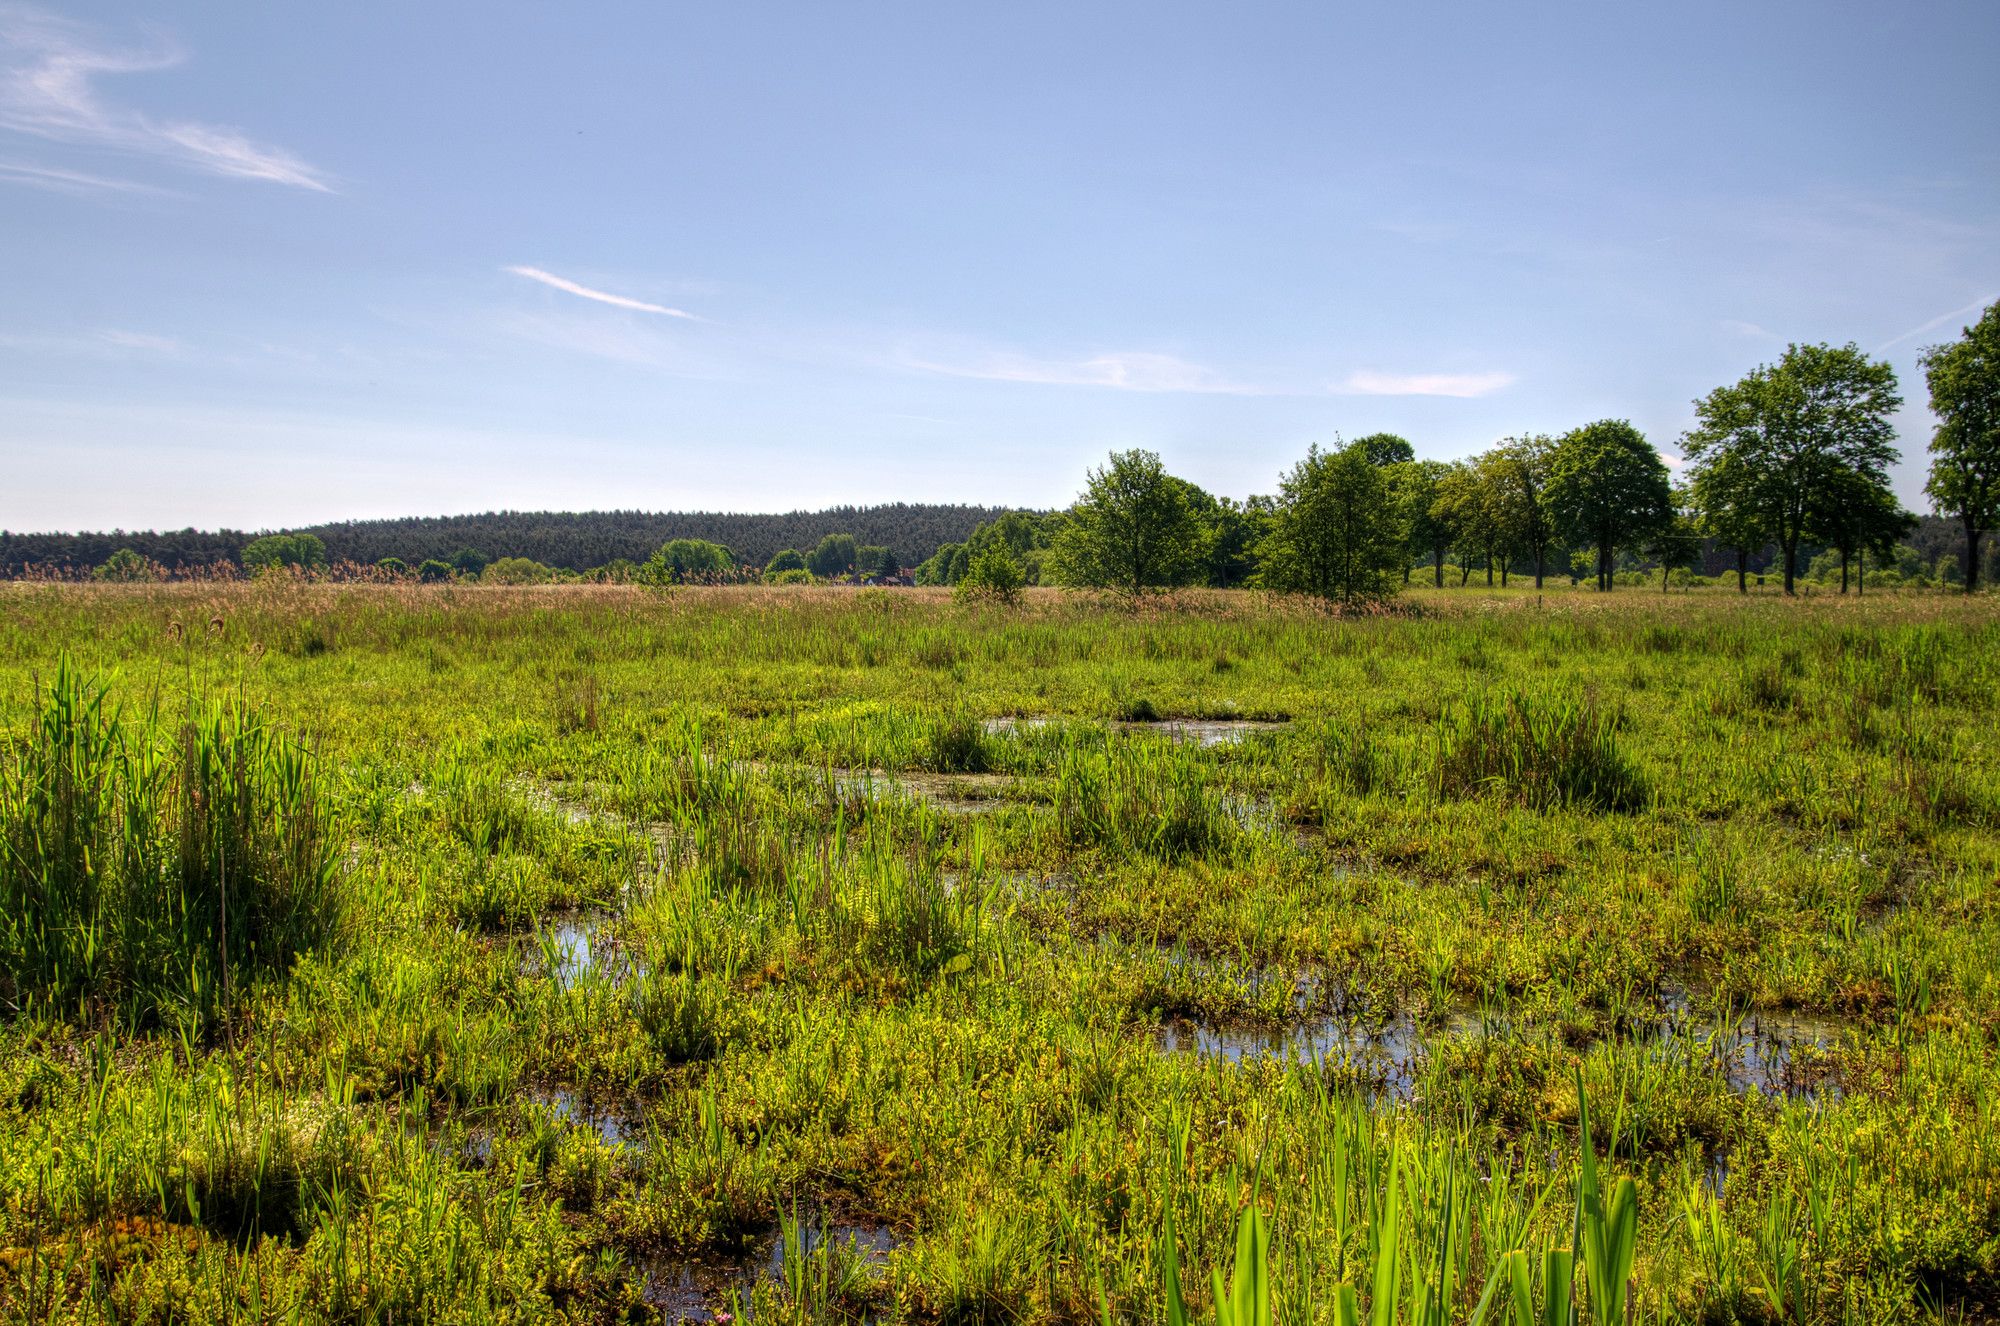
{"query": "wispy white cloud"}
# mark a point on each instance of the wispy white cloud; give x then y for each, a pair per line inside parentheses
(106, 343)
(1935, 323)
(49, 68)
(131, 340)
(601, 296)
(1122, 371)
(66, 181)
(1367, 382)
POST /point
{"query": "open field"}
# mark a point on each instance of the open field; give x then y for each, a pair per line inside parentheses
(602, 954)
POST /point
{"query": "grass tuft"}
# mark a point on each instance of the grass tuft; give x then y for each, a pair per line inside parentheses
(1543, 753)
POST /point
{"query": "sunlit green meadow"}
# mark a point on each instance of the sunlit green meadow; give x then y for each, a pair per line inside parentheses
(393, 954)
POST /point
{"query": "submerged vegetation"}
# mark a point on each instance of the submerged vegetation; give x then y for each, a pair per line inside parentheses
(391, 953)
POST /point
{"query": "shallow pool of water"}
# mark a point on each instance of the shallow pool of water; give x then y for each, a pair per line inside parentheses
(1761, 1052)
(697, 1289)
(1387, 1055)
(612, 1128)
(1204, 731)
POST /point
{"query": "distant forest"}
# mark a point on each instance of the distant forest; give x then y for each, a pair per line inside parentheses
(578, 541)
(574, 541)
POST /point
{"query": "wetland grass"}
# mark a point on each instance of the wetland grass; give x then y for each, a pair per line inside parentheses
(598, 956)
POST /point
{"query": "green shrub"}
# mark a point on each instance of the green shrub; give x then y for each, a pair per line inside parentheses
(126, 567)
(992, 574)
(515, 571)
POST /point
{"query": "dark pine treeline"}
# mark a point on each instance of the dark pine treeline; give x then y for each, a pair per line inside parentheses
(575, 541)
(176, 550)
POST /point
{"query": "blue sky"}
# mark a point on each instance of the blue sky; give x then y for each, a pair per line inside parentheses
(268, 265)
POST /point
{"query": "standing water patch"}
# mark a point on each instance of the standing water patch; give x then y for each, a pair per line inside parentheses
(1384, 1055)
(1203, 732)
(612, 1129)
(700, 1289)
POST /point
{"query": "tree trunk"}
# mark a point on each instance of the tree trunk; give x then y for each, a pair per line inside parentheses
(1843, 570)
(1663, 575)
(1791, 549)
(1437, 566)
(1972, 533)
(1742, 572)
(1465, 573)
(1604, 564)
(1503, 573)
(1539, 555)
(1489, 568)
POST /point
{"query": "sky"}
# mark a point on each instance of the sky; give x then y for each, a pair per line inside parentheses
(264, 266)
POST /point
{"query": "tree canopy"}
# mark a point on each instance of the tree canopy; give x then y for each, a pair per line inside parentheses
(1415, 489)
(304, 551)
(1797, 428)
(1725, 501)
(514, 571)
(1335, 532)
(1136, 528)
(1516, 473)
(1964, 381)
(678, 561)
(835, 555)
(125, 567)
(1386, 449)
(1607, 487)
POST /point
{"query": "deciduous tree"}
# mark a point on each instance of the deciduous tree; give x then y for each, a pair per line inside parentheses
(1416, 486)
(125, 566)
(835, 556)
(1798, 427)
(1964, 378)
(1386, 449)
(678, 561)
(1517, 476)
(1675, 541)
(1335, 532)
(993, 573)
(1463, 505)
(1857, 516)
(1608, 488)
(1725, 506)
(1135, 528)
(304, 551)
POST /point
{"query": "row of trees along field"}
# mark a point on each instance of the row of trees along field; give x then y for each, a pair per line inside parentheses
(1790, 461)
(562, 541)
(675, 562)
(1793, 456)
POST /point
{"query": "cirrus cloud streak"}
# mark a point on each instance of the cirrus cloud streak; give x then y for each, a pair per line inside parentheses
(601, 296)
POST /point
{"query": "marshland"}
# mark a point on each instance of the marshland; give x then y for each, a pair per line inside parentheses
(386, 953)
